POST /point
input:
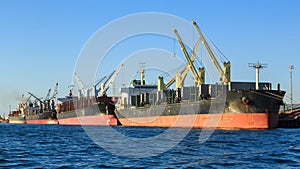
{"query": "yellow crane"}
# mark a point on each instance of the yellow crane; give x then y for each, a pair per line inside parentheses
(182, 73)
(199, 76)
(179, 73)
(225, 72)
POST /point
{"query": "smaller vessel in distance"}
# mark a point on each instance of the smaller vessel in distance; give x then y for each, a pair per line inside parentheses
(44, 112)
(86, 111)
(89, 110)
(40, 111)
(16, 117)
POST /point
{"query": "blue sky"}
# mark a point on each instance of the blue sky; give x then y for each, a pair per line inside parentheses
(41, 40)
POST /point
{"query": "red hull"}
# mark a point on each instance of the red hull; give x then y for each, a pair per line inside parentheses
(222, 121)
(42, 121)
(97, 120)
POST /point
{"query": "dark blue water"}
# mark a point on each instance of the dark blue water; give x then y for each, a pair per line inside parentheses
(55, 146)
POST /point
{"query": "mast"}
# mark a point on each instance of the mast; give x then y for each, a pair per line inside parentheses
(142, 72)
(291, 68)
(257, 66)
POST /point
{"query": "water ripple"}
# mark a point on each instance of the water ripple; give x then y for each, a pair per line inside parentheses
(54, 146)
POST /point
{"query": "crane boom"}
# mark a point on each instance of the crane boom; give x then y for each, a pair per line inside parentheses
(190, 63)
(211, 54)
(35, 97)
(48, 95)
(109, 77)
(113, 77)
(105, 86)
(170, 82)
(185, 69)
(96, 91)
(174, 78)
(81, 86)
(100, 81)
(28, 99)
(195, 50)
(185, 73)
(225, 75)
(55, 91)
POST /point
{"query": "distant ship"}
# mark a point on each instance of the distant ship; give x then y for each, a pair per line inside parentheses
(47, 116)
(88, 110)
(41, 111)
(16, 117)
(229, 105)
(45, 112)
(29, 114)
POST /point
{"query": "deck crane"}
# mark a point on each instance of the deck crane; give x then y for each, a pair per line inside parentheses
(185, 70)
(47, 100)
(174, 78)
(82, 92)
(27, 100)
(35, 97)
(24, 104)
(55, 92)
(22, 99)
(225, 73)
(41, 101)
(50, 100)
(105, 86)
(199, 78)
(48, 95)
(96, 91)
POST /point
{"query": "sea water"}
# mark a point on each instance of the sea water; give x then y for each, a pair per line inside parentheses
(57, 146)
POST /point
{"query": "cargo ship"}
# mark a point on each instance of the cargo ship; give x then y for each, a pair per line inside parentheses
(95, 111)
(235, 109)
(27, 114)
(44, 112)
(15, 117)
(89, 109)
(39, 111)
(225, 105)
(42, 117)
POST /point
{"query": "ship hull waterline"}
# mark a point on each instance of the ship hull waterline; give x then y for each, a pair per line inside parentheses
(91, 116)
(17, 120)
(47, 117)
(245, 109)
(220, 121)
(42, 121)
(95, 120)
(87, 112)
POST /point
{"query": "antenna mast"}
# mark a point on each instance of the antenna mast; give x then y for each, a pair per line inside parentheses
(257, 66)
(291, 68)
(142, 71)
